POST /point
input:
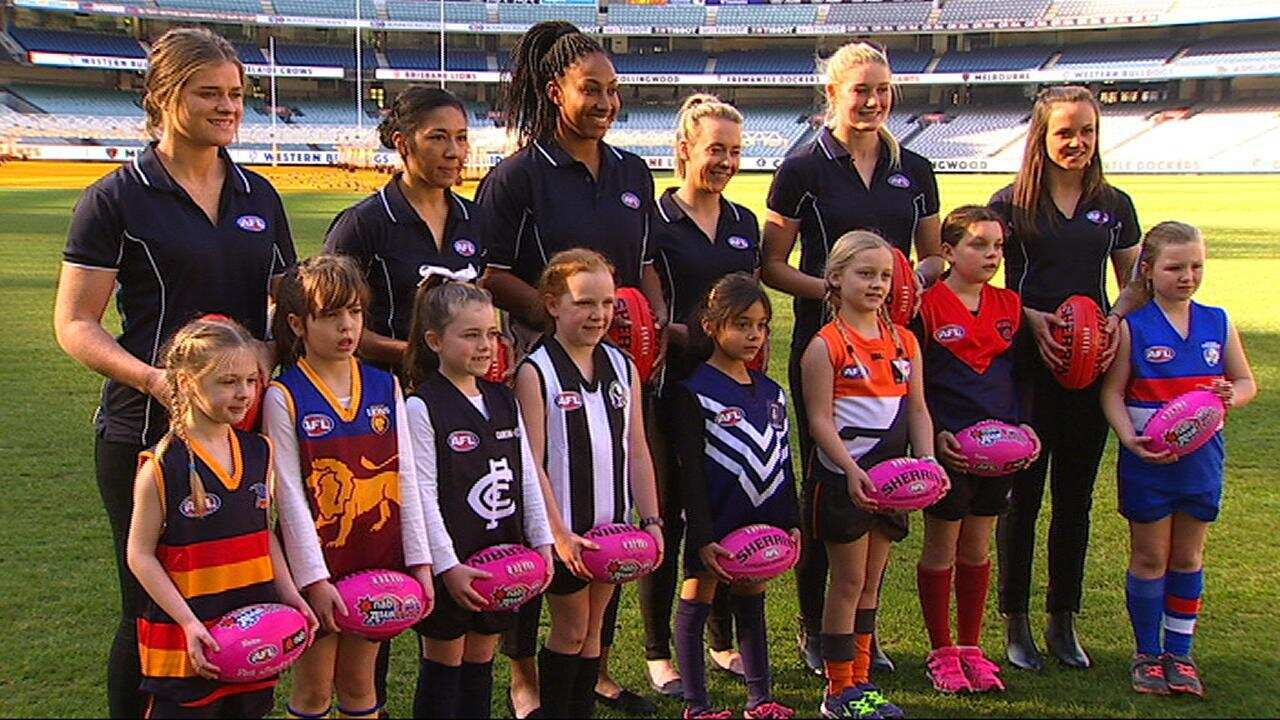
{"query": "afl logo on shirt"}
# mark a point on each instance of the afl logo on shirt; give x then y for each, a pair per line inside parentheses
(949, 333)
(463, 441)
(251, 223)
(737, 242)
(729, 416)
(379, 418)
(631, 200)
(1158, 354)
(899, 180)
(211, 505)
(1212, 352)
(569, 401)
(1097, 217)
(317, 425)
(464, 247)
(853, 372)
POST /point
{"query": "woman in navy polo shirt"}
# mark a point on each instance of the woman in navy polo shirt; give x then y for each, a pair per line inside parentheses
(1066, 224)
(184, 232)
(415, 221)
(853, 175)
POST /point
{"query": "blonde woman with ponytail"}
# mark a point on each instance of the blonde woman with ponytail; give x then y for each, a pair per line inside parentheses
(853, 175)
(182, 231)
(200, 541)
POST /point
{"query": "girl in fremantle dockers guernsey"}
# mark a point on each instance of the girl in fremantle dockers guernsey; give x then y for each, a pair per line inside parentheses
(852, 176)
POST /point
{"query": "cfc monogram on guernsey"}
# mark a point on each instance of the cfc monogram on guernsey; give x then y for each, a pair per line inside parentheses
(350, 462)
(218, 561)
(587, 429)
(479, 463)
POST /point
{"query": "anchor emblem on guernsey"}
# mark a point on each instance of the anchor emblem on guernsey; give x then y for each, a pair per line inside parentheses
(490, 497)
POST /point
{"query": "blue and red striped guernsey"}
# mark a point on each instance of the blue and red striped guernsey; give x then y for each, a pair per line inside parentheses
(219, 561)
(1163, 364)
(351, 467)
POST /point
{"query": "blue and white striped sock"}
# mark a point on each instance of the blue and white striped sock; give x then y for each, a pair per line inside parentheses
(1181, 607)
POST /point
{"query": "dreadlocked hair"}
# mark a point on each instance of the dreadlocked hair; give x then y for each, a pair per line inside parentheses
(199, 347)
(435, 305)
(540, 56)
(319, 284)
(842, 255)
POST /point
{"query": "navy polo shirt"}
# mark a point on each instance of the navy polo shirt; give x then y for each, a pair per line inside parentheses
(1067, 256)
(541, 201)
(818, 185)
(391, 243)
(172, 265)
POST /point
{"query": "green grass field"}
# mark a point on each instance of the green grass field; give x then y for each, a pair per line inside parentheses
(58, 601)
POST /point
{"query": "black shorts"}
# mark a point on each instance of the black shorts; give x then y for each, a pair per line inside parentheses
(449, 620)
(838, 520)
(254, 704)
(972, 495)
(564, 582)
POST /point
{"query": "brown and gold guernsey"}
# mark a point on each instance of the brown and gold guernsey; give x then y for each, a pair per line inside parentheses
(218, 561)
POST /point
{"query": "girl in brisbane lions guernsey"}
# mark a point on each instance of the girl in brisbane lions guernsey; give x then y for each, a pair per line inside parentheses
(199, 541)
(852, 176)
(178, 232)
(349, 495)
(415, 221)
(480, 488)
(1066, 223)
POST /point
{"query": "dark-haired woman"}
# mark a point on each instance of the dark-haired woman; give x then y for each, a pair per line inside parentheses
(1066, 224)
(564, 188)
(178, 232)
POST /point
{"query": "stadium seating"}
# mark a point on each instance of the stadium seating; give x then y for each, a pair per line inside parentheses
(778, 62)
(427, 11)
(660, 15)
(323, 56)
(1233, 49)
(1118, 54)
(251, 53)
(688, 62)
(66, 41)
(429, 59)
(879, 14)
(522, 14)
(969, 133)
(978, 11)
(70, 100)
(736, 15)
(324, 8)
(1108, 8)
(995, 59)
(908, 61)
(244, 7)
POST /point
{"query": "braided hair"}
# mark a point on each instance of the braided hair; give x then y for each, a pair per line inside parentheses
(541, 55)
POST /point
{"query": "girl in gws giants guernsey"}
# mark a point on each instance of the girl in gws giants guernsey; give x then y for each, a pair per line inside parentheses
(731, 434)
(1169, 346)
(349, 496)
(199, 541)
(864, 391)
(967, 329)
(480, 488)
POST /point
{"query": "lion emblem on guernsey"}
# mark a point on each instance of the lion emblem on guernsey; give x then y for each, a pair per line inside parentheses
(341, 497)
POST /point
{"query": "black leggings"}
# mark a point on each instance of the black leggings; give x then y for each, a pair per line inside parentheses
(116, 465)
(811, 570)
(521, 641)
(1073, 432)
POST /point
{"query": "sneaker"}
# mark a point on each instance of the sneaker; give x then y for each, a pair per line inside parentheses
(983, 675)
(1181, 673)
(944, 670)
(884, 708)
(692, 713)
(1147, 674)
(769, 710)
(850, 703)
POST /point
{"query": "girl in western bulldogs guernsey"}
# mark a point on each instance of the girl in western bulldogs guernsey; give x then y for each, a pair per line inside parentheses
(480, 489)
(199, 540)
(580, 399)
(864, 391)
(1169, 346)
(732, 440)
(349, 496)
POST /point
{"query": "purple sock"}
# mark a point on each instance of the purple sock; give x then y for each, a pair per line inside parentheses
(691, 620)
(748, 615)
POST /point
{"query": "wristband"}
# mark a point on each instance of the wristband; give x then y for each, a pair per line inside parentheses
(654, 520)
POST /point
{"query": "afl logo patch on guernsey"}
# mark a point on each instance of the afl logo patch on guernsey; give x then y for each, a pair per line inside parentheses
(211, 505)
(379, 418)
(464, 247)
(949, 333)
(1158, 354)
(569, 401)
(899, 180)
(251, 223)
(317, 425)
(463, 441)
(631, 200)
(1097, 217)
(737, 242)
(1212, 351)
(729, 416)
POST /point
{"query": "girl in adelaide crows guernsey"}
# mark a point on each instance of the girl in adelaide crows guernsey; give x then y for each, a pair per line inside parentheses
(349, 496)
(580, 399)
(864, 389)
(967, 330)
(199, 541)
(415, 221)
(1169, 346)
(735, 459)
(852, 176)
(480, 488)
(1066, 224)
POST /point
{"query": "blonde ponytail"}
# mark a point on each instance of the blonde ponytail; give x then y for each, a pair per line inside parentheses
(696, 107)
(836, 68)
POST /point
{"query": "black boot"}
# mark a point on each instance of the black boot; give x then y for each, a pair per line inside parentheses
(810, 649)
(880, 662)
(1060, 637)
(1020, 646)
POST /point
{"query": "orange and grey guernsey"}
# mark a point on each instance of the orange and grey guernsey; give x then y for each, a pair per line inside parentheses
(219, 561)
(869, 396)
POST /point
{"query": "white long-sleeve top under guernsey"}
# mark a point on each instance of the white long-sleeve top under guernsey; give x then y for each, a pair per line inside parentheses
(345, 492)
(480, 505)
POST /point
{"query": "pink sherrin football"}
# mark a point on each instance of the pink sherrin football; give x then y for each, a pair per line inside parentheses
(907, 483)
(760, 552)
(518, 574)
(380, 603)
(1185, 423)
(995, 448)
(257, 642)
(626, 553)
